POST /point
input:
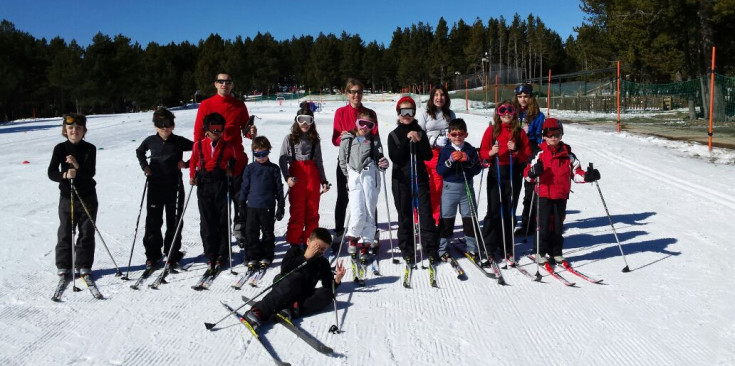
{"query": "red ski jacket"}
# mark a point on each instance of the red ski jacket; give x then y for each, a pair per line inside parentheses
(236, 118)
(212, 154)
(345, 118)
(560, 167)
(520, 156)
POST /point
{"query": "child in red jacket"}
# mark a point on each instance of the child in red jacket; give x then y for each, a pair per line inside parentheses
(554, 166)
(506, 148)
(213, 164)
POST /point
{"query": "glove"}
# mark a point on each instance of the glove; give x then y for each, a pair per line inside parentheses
(592, 175)
(484, 164)
(458, 156)
(383, 163)
(280, 211)
(241, 209)
(536, 170)
(440, 141)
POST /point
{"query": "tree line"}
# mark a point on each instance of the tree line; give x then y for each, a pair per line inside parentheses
(656, 41)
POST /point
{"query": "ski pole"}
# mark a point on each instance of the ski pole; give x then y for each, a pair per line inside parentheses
(475, 219)
(512, 207)
(342, 239)
(135, 235)
(479, 190)
(229, 225)
(212, 325)
(533, 196)
(418, 244)
(502, 214)
(179, 225)
(73, 234)
(538, 229)
(387, 212)
(84, 206)
(626, 269)
(335, 328)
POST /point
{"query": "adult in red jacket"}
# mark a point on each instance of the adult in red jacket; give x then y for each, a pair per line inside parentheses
(554, 166)
(236, 125)
(344, 121)
(503, 142)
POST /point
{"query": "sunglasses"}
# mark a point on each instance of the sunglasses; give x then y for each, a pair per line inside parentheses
(261, 153)
(353, 91)
(164, 123)
(524, 88)
(304, 119)
(506, 109)
(71, 120)
(458, 134)
(222, 81)
(365, 124)
(406, 112)
(216, 128)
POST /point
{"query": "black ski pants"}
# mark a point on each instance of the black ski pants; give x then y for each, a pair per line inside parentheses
(257, 248)
(85, 244)
(493, 228)
(294, 289)
(551, 226)
(212, 197)
(169, 198)
(403, 200)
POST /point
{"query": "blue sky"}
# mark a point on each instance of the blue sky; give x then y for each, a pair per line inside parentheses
(185, 20)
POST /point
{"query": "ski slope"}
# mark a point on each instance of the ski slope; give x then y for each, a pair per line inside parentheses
(672, 204)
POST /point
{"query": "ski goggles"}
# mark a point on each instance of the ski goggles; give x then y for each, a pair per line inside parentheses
(365, 124)
(406, 112)
(304, 119)
(354, 91)
(216, 128)
(75, 120)
(524, 88)
(163, 123)
(458, 134)
(553, 133)
(505, 110)
(261, 153)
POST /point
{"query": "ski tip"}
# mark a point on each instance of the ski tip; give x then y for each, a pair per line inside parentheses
(209, 326)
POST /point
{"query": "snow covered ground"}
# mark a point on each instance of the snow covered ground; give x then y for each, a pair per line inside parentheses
(671, 203)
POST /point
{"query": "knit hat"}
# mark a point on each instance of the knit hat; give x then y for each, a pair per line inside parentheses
(403, 100)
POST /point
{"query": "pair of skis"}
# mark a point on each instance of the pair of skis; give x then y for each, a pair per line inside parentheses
(300, 333)
(64, 283)
(207, 278)
(252, 277)
(408, 273)
(567, 267)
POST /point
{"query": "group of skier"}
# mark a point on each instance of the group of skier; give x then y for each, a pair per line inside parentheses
(432, 173)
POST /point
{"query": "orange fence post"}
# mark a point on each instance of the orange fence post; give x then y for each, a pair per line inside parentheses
(711, 98)
(618, 96)
(548, 95)
(496, 89)
(466, 95)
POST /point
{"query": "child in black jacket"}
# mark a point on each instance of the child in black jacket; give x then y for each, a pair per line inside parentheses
(165, 188)
(261, 189)
(408, 136)
(296, 293)
(73, 163)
